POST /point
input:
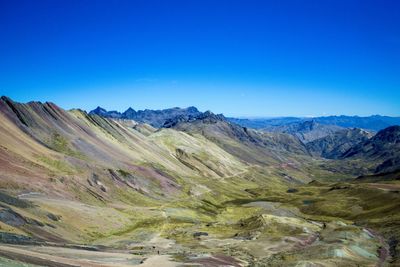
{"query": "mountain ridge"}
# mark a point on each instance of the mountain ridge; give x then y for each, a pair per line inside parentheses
(155, 118)
(382, 149)
(306, 131)
(371, 123)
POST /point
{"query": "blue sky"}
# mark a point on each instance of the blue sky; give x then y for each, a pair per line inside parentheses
(240, 58)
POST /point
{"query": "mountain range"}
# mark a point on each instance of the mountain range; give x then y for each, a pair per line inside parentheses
(371, 123)
(182, 187)
(155, 118)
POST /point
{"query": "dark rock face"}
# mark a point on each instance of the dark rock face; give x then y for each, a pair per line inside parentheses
(53, 217)
(198, 234)
(292, 190)
(209, 117)
(206, 117)
(156, 118)
(171, 122)
(389, 135)
(10, 200)
(389, 165)
(12, 218)
(10, 238)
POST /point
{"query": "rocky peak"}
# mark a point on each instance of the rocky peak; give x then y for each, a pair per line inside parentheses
(129, 113)
(309, 125)
(205, 117)
(192, 109)
(156, 118)
(210, 117)
(98, 111)
(390, 134)
(6, 98)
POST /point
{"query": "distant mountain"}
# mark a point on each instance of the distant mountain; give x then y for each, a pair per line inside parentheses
(245, 143)
(382, 149)
(206, 117)
(334, 145)
(104, 113)
(155, 118)
(260, 123)
(374, 123)
(275, 139)
(306, 131)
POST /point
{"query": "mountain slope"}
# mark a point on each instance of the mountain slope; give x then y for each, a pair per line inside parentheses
(306, 131)
(247, 144)
(76, 143)
(70, 159)
(275, 154)
(334, 145)
(383, 150)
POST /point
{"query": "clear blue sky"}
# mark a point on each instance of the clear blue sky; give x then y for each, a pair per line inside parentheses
(241, 58)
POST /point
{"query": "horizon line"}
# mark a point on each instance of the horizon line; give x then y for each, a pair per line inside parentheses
(250, 117)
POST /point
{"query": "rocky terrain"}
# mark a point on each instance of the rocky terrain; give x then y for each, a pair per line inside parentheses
(184, 188)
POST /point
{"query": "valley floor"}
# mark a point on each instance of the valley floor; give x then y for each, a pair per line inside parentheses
(344, 224)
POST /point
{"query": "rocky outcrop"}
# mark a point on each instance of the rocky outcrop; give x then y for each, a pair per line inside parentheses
(206, 117)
